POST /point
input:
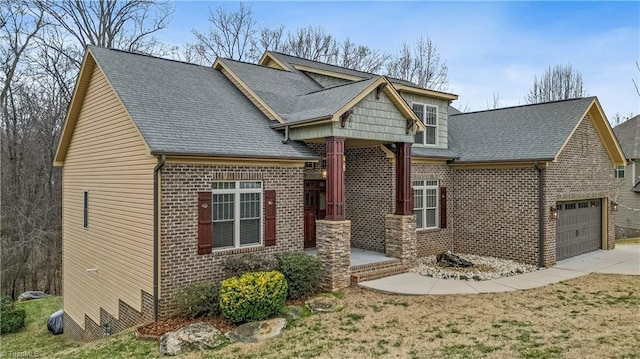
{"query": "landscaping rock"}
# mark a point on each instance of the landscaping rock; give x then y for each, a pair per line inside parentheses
(323, 304)
(195, 336)
(32, 294)
(293, 312)
(257, 331)
(447, 259)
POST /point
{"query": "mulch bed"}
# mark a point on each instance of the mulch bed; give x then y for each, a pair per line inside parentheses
(153, 331)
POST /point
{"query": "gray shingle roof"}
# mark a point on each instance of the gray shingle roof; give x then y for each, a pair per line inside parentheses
(293, 95)
(292, 60)
(182, 108)
(530, 132)
(628, 134)
(429, 152)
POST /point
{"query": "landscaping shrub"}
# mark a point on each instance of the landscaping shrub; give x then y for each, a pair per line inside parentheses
(302, 272)
(200, 299)
(248, 263)
(11, 319)
(252, 296)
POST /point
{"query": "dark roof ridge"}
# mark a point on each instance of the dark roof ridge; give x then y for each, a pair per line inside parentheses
(525, 105)
(253, 64)
(146, 55)
(344, 84)
(342, 67)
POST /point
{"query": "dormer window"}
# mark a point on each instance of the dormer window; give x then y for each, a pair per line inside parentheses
(429, 116)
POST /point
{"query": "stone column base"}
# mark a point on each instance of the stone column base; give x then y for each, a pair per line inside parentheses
(333, 242)
(400, 237)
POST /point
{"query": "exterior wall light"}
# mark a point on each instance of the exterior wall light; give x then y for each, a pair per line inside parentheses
(554, 212)
(324, 173)
(614, 206)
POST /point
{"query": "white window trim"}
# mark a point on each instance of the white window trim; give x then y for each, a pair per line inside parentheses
(437, 125)
(236, 213)
(424, 202)
(620, 169)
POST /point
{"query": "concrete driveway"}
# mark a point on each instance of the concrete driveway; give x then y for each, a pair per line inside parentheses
(624, 259)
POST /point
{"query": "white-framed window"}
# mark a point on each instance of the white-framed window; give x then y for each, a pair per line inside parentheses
(619, 172)
(236, 214)
(429, 116)
(425, 203)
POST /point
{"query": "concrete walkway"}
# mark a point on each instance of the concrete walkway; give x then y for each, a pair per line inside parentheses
(625, 259)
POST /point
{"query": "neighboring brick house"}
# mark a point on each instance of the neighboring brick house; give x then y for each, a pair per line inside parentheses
(627, 218)
(170, 168)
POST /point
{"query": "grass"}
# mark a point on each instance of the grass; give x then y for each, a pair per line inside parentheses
(587, 317)
(35, 340)
(628, 241)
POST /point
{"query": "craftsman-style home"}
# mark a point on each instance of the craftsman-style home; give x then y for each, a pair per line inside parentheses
(170, 168)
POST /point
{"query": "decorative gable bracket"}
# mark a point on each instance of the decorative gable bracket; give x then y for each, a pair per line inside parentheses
(379, 89)
(410, 125)
(344, 118)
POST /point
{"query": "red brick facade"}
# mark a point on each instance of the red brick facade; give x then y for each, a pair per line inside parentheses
(434, 241)
(180, 262)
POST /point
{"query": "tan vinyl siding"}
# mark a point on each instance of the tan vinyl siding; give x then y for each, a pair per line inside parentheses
(442, 105)
(625, 217)
(327, 81)
(108, 158)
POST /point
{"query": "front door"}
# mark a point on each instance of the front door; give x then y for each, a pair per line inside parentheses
(314, 208)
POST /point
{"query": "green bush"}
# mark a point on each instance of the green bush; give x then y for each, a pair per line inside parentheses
(252, 296)
(11, 319)
(248, 263)
(200, 299)
(302, 272)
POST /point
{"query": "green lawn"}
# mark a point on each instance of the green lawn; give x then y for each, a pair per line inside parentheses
(594, 316)
(35, 340)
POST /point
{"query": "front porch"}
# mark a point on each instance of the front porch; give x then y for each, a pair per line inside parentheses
(359, 257)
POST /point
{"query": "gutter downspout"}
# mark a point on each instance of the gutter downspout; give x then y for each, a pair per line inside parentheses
(156, 234)
(541, 213)
(286, 135)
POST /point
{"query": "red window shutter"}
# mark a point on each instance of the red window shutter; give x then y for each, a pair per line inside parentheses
(443, 207)
(270, 217)
(205, 237)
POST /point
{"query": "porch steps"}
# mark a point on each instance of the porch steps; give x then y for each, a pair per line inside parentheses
(366, 272)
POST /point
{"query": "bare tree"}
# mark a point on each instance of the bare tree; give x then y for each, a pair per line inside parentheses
(127, 25)
(42, 44)
(635, 84)
(230, 34)
(496, 102)
(421, 65)
(360, 57)
(235, 35)
(557, 83)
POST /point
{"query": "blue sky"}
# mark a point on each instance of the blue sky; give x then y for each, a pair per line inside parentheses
(490, 47)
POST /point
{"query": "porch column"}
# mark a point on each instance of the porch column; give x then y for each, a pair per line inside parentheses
(335, 178)
(400, 227)
(333, 234)
(403, 179)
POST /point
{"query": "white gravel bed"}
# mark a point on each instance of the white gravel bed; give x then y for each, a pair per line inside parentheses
(484, 268)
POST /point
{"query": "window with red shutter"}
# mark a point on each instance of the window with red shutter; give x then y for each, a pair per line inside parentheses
(204, 223)
(270, 217)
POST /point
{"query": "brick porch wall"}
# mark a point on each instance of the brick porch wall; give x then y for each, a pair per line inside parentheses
(434, 241)
(180, 262)
(497, 213)
(369, 196)
(583, 170)
(127, 318)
